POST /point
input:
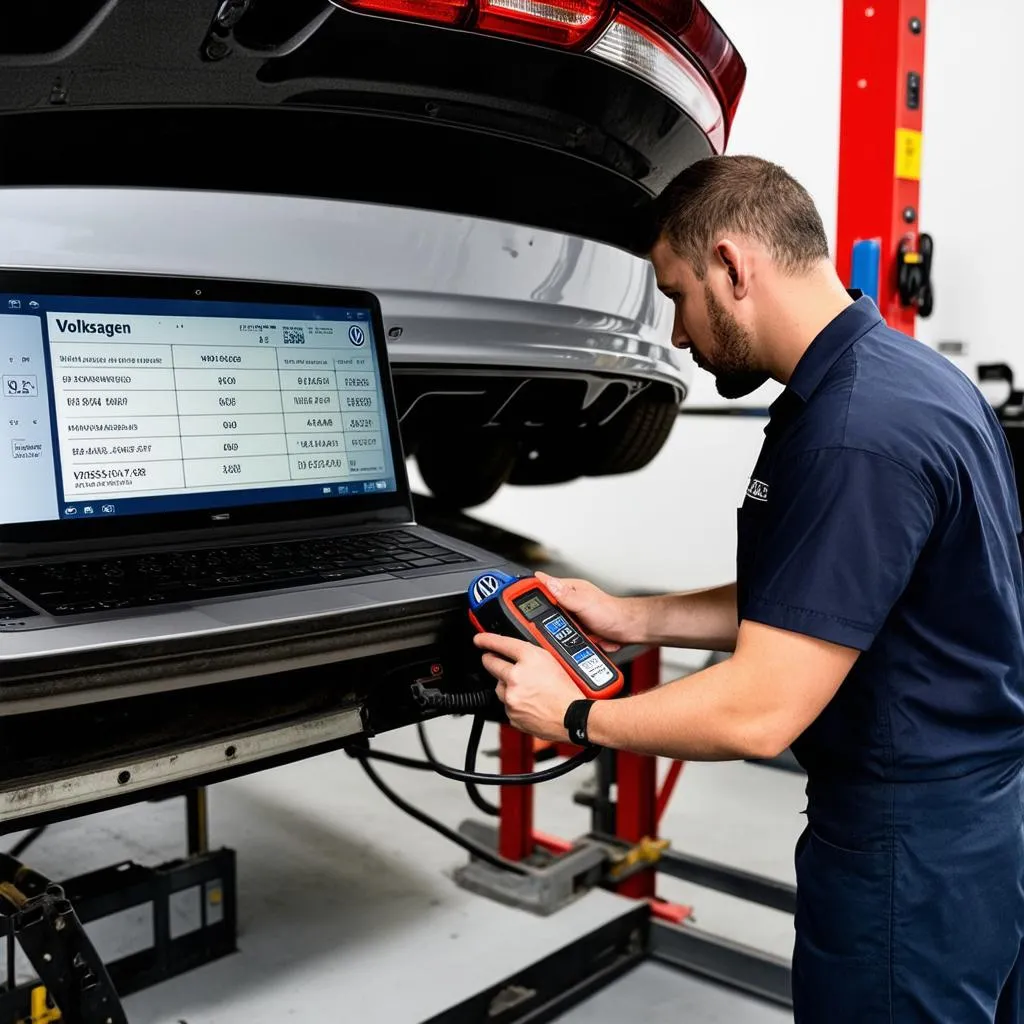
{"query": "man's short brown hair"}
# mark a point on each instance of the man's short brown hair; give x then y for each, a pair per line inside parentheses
(744, 194)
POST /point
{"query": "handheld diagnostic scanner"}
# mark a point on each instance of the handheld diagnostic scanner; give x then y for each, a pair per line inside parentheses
(525, 609)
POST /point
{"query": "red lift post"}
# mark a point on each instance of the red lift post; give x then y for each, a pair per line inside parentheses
(880, 150)
(637, 807)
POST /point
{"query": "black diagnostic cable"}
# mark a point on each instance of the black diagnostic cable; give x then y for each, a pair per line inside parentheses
(26, 841)
(453, 703)
(479, 800)
(477, 701)
(483, 778)
(476, 849)
(468, 774)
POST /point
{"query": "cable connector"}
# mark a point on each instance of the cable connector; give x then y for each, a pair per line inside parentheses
(431, 698)
(427, 696)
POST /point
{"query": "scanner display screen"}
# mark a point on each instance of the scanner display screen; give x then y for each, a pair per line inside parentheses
(575, 648)
(532, 605)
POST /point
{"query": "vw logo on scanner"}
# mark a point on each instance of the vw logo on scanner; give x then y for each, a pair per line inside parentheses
(486, 586)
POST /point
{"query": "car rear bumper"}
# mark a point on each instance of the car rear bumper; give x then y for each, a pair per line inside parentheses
(459, 295)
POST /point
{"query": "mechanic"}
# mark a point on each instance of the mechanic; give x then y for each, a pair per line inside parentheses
(875, 625)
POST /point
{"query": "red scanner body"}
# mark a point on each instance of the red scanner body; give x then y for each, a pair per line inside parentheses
(525, 609)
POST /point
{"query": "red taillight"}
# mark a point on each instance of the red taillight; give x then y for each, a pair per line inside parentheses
(674, 44)
(561, 22)
(634, 45)
(443, 12)
(690, 23)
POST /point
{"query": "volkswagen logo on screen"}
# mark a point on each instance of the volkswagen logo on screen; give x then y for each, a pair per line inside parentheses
(356, 335)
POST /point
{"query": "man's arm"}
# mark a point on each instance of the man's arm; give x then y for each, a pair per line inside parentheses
(754, 705)
(839, 542)
(751, 706)
(703, 619)
(838, 545)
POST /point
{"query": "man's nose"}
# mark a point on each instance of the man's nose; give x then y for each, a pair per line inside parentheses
(679, 336)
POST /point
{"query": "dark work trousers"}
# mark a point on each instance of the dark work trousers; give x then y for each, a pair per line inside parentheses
(910, 902)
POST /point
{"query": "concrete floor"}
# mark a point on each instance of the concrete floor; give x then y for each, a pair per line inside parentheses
(346, 902)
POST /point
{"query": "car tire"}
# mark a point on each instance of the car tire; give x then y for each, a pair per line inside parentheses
(635, 436)
(466, 469)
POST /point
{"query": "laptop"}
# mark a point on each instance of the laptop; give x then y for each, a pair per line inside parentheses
(186, 458)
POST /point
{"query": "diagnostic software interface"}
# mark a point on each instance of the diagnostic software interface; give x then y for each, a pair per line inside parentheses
(122, 406)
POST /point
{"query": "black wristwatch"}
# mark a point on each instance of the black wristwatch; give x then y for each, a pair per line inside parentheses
(576, 721)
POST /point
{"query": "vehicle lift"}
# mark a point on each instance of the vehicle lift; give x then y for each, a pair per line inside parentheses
(47, 920)
(41, 918)
(880, 251)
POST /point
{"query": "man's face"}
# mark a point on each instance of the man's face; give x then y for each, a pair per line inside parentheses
(718, 343)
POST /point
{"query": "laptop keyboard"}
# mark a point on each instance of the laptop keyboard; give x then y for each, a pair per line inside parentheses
(73, 588)
(12, 610)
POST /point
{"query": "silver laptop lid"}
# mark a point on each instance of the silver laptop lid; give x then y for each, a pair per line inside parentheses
(137, 405)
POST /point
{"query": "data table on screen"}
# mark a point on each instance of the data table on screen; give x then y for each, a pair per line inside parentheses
(157, 418)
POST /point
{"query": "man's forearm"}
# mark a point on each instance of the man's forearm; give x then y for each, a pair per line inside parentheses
(704, 620)
(711, 715)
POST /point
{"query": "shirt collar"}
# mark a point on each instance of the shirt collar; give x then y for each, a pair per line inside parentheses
(822, 354)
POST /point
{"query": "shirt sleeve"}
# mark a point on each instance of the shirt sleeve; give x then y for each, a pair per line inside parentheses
(837, 541)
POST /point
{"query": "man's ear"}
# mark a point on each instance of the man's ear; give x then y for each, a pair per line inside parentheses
(731, 257)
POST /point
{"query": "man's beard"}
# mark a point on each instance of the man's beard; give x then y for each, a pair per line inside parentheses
(732, 370)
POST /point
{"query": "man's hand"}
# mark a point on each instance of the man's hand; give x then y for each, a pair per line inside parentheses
(610, 621)
(534, 688)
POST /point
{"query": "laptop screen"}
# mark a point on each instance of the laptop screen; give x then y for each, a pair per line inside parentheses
(126, 405)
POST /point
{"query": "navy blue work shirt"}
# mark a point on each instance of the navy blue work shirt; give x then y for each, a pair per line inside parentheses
(882, 514)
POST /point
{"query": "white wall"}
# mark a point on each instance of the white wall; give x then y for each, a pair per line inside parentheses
(672, 526)
(973, 167)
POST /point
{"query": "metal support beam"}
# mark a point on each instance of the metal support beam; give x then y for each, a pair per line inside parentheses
(882, 101)
(548, 988)
(744, 885)
(197, 814)
(731, 963)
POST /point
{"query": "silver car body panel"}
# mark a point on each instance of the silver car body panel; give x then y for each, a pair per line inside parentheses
(456, 292)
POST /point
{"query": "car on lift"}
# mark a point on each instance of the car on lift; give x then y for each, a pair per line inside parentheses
(483, 166)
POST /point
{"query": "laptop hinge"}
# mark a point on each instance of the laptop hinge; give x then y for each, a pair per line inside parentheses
(215, 536)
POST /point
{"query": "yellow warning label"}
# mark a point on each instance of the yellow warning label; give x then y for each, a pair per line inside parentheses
(908, 154)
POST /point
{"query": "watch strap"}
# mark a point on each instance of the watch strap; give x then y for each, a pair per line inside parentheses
(575, 721)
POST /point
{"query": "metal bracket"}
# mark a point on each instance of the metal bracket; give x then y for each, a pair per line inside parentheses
(543, 888)
(43, 921)
(637, 858)
(914, 275)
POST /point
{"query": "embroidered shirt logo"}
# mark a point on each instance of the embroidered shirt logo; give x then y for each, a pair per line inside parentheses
(757, 489)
